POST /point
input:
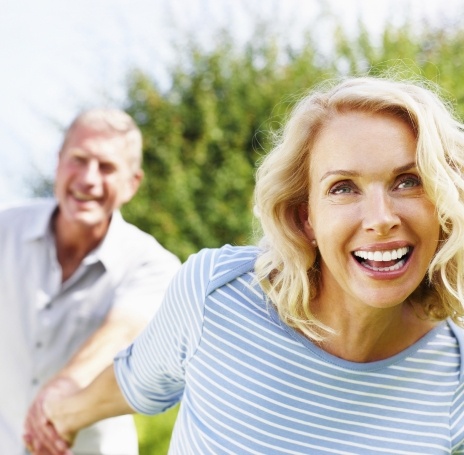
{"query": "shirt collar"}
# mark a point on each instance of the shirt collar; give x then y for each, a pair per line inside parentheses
(108, 252)
(42, 223)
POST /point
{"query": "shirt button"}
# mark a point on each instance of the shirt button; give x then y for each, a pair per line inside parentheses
(35, 381)
(38, 344)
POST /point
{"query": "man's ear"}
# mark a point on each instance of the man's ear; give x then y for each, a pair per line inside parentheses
(305, 222)
(133, 186)
(137, 180)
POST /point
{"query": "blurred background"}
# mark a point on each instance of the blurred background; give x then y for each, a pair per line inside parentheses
(60, 56)
(209, 82)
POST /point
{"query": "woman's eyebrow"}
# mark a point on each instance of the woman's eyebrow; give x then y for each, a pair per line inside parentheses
(346, 173)
(343, 172)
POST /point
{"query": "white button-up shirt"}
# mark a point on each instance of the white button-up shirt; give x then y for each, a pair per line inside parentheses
(43, 321)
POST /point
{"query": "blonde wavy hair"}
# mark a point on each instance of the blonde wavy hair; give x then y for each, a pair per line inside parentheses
(287, 267)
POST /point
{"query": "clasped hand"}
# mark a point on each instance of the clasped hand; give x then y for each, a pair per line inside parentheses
(44, 433)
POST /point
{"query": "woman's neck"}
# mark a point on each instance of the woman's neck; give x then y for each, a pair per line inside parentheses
(373, 334)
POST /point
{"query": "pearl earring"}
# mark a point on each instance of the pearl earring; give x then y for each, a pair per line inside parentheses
(314, 243)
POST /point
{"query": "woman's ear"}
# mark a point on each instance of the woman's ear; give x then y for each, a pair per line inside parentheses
(305, 223)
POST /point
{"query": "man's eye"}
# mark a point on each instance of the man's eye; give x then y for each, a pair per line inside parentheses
(78, 159)
(106, 167)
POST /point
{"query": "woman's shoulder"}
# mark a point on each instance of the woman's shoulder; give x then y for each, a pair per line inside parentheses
(224, 264)
(457, 334)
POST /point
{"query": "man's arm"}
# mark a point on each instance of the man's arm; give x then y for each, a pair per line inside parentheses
(99, 400)
(118, 330)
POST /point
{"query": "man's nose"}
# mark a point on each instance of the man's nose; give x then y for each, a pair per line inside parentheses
(91, 173)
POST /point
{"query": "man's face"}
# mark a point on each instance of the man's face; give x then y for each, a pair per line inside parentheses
(94, 176)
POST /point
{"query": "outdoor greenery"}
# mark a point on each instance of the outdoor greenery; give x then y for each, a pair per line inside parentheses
(155, 432)
(204, 135)
(206, 132)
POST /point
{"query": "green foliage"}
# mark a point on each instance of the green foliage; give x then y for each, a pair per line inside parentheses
(433, 54)
(204, 136)
(154, 432)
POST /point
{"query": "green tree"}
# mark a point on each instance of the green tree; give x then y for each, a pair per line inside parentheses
(205, 134)
(432, 53)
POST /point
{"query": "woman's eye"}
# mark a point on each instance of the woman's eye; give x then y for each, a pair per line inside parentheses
(341, 188)
(409, 181)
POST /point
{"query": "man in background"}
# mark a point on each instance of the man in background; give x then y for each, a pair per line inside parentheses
(77, 282)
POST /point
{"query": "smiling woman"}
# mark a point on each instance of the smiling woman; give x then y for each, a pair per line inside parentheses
(366, 201)
(366, 170)
(340, 332)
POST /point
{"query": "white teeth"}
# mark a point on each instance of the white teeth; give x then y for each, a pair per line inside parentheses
(397, 266)
(384, 256)
(378, 256)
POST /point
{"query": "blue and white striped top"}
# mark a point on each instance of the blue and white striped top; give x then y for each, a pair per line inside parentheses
(251, 385)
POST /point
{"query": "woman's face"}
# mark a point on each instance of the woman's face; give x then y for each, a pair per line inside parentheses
(376, 231)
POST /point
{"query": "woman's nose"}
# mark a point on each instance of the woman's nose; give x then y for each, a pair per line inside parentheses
(380, 215)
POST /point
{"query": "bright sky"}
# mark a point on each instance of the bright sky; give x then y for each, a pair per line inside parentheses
(59, 56)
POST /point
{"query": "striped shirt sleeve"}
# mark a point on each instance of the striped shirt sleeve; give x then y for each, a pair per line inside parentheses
(151, 371)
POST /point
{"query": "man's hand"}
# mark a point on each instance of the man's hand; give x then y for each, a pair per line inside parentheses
(40, 435)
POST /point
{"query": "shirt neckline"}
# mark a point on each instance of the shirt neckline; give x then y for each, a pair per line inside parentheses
(357, 366)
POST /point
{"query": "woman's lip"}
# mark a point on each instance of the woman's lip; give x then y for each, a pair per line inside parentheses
(383, 246)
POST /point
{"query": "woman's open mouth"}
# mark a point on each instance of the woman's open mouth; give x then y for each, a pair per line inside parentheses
(383, 261)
